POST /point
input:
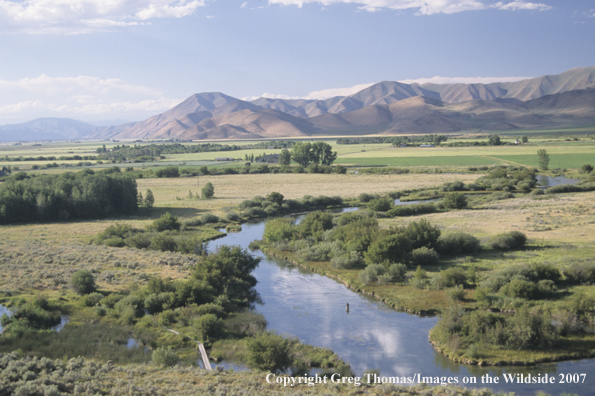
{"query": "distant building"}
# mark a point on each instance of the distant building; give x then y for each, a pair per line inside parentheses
(426, 145)
(224, 159)
(517, 141)
(271, 147)
(269, 159)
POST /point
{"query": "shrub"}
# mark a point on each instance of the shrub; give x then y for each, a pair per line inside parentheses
(83, 282)
(392, 248)
(140, 240)
(422, 234)
(114, 242)
(166, 222)
(372, 273)
(163, 242)
(233, 217)
(454, 201)
(100, 310)
(170, 171)
(349, 260)
(208, 326)
(509, 241)
(90, 300)
(586, 168)
(419, 279)
(315, 223)
(208, 191)
(209, 218)
(164, 357)
(380, 204)
(457, 293)
(580, 273)
(457, 243)
(412, 210)
(424, 256)
(269, 352)
(275, 197)
(397, 271)
(453, 186)
(455, 276)
(365, 197)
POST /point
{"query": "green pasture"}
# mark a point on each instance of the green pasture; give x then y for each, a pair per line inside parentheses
(556, 160)
(419, 161)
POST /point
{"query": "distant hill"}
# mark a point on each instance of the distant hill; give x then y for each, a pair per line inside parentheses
(46, 129)
(566, 99)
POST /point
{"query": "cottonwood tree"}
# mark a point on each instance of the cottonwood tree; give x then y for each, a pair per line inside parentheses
(543, 158)
(302, 153)
(208, 191)
(149, 199)
(284, 157)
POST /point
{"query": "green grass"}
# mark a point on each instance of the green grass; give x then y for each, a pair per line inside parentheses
(575, 160)
(419, 161)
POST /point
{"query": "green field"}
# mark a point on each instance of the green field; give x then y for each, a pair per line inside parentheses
(575, 160)
(418, 161)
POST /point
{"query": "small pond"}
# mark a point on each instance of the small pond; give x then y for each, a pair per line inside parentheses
(549, 181)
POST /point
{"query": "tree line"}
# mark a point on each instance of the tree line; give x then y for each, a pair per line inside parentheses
(83, 195)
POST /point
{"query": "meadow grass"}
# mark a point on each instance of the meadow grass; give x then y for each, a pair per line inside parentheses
(419, 161)
(230, 190)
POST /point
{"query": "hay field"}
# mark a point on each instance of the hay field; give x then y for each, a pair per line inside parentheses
(230, 190)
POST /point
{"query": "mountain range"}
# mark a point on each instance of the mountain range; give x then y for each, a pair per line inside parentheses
(388, 107)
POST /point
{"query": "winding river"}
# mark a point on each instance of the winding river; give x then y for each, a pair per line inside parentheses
(299, 303)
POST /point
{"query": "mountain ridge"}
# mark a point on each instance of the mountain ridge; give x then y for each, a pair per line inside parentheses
(566, 99)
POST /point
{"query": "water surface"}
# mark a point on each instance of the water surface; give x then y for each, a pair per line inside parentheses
(299, 303)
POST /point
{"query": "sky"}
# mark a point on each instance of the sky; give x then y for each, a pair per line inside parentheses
(109, 61)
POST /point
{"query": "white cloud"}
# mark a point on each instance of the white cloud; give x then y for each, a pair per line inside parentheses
(521, 5)
(462, 80)
(83, 97)
(329, 93)
(85, 16)
(423, 7)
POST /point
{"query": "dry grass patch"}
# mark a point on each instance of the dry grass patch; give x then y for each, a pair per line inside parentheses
(230, 190)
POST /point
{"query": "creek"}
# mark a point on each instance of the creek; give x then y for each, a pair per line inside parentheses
(300, 303)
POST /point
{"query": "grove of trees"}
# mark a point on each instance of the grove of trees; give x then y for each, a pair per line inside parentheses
(313, 153)
(83, 195)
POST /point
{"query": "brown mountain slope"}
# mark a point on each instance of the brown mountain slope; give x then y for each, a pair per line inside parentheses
(578, 78)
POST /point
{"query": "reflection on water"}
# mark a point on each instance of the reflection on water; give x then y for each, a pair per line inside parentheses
(299, 303)
(63, 321)
(548, 181)
(131, 343)
(225, 365)
(3, 311)
(398, 201)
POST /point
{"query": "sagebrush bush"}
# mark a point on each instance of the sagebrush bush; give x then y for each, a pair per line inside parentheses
(372, 273)
(509, 241)
(165, 357)
(380, 204)
(424, 256)
(457, 243)
(83, 282)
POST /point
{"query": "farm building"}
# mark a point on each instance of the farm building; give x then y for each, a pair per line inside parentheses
(269, 159)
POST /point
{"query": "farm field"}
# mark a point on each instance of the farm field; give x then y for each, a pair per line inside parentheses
(230, 190)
